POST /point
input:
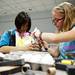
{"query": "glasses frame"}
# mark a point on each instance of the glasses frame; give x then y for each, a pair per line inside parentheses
(55, 20)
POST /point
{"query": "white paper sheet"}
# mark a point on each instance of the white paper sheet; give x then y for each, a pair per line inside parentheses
(38, 57)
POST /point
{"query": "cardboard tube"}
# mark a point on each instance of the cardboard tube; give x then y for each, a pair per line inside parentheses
(51, 71)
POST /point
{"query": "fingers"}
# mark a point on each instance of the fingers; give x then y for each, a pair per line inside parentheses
(35, 45)
(34, 49)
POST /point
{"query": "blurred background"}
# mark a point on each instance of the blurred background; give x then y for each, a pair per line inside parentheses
(39, 10)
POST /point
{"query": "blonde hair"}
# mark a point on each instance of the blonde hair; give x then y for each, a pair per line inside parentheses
(68, 11)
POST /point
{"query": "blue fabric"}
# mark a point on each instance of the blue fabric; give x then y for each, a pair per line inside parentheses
(66, 48)
(5, 38)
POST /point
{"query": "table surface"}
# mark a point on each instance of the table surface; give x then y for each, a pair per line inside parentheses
(32, 57)
(58, 72)
(5, 68)
(42, 56)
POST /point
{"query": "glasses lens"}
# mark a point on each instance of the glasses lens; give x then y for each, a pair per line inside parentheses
(56, 19)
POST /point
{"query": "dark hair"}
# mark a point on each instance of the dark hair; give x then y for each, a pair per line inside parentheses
(22, 18)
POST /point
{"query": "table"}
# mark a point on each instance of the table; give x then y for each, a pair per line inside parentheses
(17, 70)
(6, 70)
(42, 56)
(58, 72)
(31, 56)
(35, 58)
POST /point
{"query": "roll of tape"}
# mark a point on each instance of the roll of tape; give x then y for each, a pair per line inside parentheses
(25, 68)
(67, 62)
(51, 71)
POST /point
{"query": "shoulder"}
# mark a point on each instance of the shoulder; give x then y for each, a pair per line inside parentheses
(8, 32)
(12, 31)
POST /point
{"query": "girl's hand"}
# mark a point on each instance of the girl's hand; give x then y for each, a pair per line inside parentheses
(34, 46)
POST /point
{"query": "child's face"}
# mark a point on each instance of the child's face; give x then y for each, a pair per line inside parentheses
(24, 28)
(58, 19)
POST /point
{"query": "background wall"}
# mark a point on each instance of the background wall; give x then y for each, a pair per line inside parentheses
(41, 20)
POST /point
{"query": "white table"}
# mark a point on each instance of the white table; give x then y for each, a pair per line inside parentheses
(36, 58)
(58, 72)
(6, 70)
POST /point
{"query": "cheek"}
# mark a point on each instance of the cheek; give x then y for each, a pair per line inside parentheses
(24, 27)
(59, 24)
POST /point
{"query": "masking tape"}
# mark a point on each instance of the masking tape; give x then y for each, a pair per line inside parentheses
(67, 62)
(51, 71)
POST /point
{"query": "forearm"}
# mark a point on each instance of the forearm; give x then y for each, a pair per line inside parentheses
(59, 37)
(7, 49)
(50, 37)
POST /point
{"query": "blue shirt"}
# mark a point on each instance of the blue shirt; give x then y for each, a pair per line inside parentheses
(6, 38)
(66, 48)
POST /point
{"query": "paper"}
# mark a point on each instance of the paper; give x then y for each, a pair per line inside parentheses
(2, 55)
(32, 57)
(38, 57)
(47, 59)
(36, 30)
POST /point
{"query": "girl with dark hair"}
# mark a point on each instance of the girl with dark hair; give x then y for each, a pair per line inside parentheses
(9, 39)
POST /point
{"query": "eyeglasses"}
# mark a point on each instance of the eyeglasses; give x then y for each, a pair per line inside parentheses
(57, 20)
